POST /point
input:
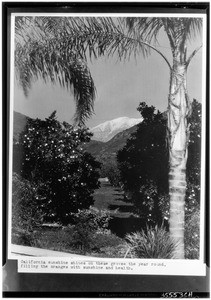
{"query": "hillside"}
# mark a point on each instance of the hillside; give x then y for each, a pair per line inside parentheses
(94, 147)
(109, 149)
(19, 122)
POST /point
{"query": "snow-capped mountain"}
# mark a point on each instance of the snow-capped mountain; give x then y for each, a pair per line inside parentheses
(107, 130)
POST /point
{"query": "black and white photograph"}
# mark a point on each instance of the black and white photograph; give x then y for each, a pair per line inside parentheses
(107, 143)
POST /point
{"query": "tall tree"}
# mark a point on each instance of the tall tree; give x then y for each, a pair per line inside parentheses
(56, 41)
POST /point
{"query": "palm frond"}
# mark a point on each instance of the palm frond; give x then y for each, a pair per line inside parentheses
(102, 35)
(180, 30)
(145, 28)
(95, 36)
(193, 27)
(51, 60)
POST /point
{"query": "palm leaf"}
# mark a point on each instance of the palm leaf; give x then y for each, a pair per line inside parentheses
(146, 29)
(51, 60)
(193, 28)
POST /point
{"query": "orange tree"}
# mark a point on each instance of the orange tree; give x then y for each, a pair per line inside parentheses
(143, 165)
(52, 157)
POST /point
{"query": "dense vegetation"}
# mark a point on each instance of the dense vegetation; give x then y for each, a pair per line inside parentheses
(50, 156)
(143, 164)
(54, 180)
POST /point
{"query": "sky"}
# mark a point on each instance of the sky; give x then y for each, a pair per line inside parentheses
(120, 86)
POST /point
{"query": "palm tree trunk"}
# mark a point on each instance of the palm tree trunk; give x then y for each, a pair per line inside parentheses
(178, 111)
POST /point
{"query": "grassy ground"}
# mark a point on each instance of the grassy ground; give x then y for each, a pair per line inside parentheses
(112, 199)
(104, 245)
(63, 240)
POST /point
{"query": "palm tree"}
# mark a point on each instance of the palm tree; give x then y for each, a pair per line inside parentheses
(58, 43)
(178, 31)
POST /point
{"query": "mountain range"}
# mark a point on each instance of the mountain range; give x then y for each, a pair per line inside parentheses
(103, 151)
(107, 130)
(118, 130)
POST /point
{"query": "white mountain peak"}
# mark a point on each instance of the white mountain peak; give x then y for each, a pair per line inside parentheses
(107, 130)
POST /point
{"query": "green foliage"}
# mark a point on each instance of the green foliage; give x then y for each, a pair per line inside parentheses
(53, 159)
(192, 235)
(143, 164)
(26, 215)
(62, 239)
(94, 219)
(154, 243)
(53, 239)
(104, 240)
(89, 235)
(25, 212)
(110, 170)
(194, 160)
(88, 223)
(94, 243)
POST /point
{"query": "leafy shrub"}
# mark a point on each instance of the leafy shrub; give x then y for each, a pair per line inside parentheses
(103, 242)
(155, 243)
(192, 236)
(92, 218)
(25, 204)
(80, 238)
(26, 212)
(88, 223)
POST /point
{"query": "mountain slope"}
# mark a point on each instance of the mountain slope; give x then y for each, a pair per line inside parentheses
(107, 130)
(108, 150)
(19, 123)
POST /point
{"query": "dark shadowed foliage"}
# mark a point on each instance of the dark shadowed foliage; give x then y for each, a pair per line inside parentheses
(52, 157)
(143, 164)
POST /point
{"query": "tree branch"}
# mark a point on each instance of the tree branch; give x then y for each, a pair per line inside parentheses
(192, 55)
